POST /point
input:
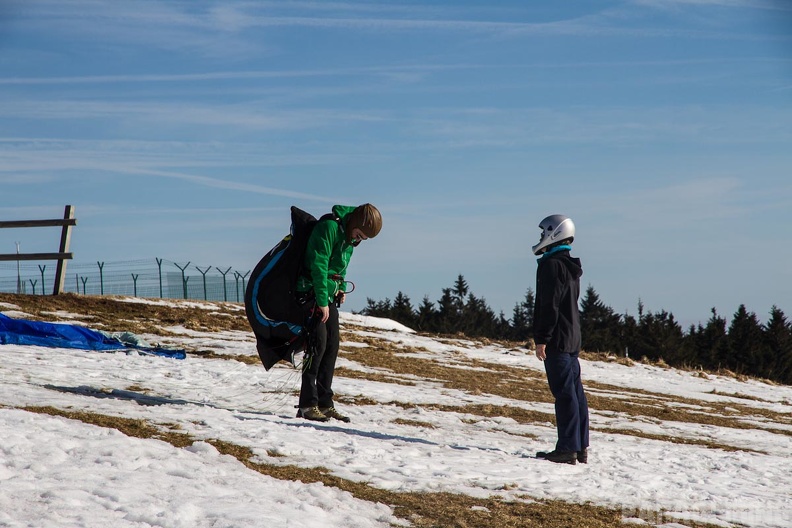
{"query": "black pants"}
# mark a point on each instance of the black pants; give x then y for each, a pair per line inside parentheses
(319, 363)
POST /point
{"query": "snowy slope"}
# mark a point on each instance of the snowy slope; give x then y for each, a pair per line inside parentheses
(405, 436)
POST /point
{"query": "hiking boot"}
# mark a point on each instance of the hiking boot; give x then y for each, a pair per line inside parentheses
(331, 412)
(559, 457)
(312, 413)
(582, 456)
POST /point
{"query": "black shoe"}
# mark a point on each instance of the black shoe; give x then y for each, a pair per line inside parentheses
(559, 457)
(582, 456)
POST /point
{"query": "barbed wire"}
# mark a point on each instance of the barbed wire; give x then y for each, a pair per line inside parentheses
(151, 278)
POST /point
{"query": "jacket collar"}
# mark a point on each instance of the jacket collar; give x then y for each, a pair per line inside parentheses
(563, 247)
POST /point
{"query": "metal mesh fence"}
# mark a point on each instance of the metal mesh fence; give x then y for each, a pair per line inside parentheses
(151, 278)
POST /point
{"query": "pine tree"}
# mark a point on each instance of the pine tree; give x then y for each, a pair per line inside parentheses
(402, 311)
(503, 327)
(660, 337)
(520, 328)
(629, 336)
(478, 319)
(377, 308)
(778, 343)
(427, 316)
(448, 313)
(460, 291)
(529, 304)
(710, 343)
(522, 318)
(599, 324)
(745, 342)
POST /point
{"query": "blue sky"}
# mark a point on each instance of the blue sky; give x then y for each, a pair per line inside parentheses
(184, 130)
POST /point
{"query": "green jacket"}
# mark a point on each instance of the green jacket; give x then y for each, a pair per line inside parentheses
(327, 254)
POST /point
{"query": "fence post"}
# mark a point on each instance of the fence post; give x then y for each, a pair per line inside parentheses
(236, 283)
(243, 281)
(203, 272)
(66, 224)
(184, 280)
(84, 280)
(159, 265)
(41, 269)
(60, 270)
(134, 283)
(225, 291)
(101, 278)
(20, 282)
(33, 283)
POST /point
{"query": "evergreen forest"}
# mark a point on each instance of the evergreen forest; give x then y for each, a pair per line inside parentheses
(743, 345)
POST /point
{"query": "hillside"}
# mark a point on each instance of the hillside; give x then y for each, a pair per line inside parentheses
(443, 431)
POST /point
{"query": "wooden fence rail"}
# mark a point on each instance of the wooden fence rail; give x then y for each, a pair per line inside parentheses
(63, 253)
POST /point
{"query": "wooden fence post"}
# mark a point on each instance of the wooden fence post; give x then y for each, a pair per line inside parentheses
(63, 255)
(60, 270)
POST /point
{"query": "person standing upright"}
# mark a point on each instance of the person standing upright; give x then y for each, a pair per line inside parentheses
(557, 337)
(327, 256)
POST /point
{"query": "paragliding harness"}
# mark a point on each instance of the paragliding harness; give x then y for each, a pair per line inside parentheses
(281, 318)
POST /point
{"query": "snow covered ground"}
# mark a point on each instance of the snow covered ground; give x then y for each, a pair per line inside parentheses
(56, 471)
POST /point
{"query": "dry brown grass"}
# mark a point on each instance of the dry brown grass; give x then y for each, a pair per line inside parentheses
(387, 362)
(477, 377)
(112, 315)
(423, 510)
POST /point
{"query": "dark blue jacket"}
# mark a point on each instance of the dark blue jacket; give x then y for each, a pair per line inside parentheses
(556, 314)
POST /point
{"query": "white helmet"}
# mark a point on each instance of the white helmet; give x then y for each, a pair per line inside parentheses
(555, 228)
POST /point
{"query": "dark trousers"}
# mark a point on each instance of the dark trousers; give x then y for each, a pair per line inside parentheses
(319, 363)
(571, 407)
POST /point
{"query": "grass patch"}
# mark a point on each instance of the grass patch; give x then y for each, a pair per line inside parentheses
(479, 377)
(422, 510)
(414, 423)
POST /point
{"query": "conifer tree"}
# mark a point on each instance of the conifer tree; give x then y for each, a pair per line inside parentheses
(402, 311)
(747, 346)
(460, 291)
(745, 342)
(711, 344)
(448, 313)
(660, 336)
(520, 329)
(628, 337)
(377, 308)
(427, 315)
(599, 324)
(478, 319)
(503, 327)
(522, 318)
(778, 343)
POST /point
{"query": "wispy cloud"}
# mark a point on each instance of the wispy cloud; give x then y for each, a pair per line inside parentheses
(234, 27)
(403, 74)
(251, 115)
(771, 5)
(409, 71)
(206, 181)
(193, 179)
(35, 167)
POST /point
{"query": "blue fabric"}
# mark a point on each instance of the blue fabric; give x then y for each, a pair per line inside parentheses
(56, 335)
(563, 247)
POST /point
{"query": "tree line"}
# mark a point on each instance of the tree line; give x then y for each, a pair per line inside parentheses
(743, 345)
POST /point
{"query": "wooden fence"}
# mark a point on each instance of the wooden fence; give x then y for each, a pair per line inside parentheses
(63, 252)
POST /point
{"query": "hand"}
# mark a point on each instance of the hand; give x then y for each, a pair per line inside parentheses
(340, 298)
(325, 311)
(540, 352)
